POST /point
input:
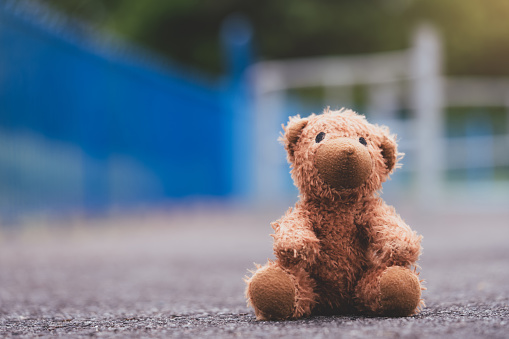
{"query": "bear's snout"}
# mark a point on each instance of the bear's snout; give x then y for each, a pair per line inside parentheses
(343, 163)
(349, 150)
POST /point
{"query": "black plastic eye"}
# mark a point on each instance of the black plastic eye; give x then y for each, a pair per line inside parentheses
(319, 137)
(363, 141)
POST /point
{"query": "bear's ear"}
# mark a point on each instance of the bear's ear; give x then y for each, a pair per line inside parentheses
(292, 134)
(389, 152)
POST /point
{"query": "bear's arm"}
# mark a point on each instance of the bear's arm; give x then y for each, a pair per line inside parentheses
(294, 239)
(391, 241)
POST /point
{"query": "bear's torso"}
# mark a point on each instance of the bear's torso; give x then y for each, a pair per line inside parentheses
(342, 255)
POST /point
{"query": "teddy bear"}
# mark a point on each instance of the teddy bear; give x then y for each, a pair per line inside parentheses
(341, 249)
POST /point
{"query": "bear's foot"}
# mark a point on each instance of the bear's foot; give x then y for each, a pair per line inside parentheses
(271, 292)
(400, 292)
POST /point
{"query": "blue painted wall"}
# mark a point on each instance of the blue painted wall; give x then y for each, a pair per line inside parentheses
(179, 128)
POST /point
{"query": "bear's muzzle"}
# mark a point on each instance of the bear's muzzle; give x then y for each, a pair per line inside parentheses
(343, 163)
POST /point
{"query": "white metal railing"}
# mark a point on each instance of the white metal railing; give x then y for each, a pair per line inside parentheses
(410, 79)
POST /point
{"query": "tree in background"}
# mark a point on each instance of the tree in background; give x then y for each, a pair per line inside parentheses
(476, 32)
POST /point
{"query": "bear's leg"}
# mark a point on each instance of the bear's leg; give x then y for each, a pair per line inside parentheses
(394, 291)
(276, 293)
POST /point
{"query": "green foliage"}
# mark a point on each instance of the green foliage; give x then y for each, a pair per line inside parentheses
(475, 32)
(494, 119)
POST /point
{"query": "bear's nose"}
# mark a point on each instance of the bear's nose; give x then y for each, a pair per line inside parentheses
(349, 150)
(343, 162)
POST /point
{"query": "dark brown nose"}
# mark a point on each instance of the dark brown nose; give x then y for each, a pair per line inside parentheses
(343, 163)
(349, 150)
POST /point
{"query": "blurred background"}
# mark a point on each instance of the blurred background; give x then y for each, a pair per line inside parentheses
(115, 105)
(140, 167)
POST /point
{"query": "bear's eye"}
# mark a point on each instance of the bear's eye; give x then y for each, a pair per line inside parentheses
(319, 137)
(363, 141)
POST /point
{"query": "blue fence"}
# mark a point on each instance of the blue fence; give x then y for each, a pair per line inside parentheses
(179, 130)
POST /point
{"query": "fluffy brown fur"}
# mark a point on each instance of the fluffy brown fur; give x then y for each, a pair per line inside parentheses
(341, 239)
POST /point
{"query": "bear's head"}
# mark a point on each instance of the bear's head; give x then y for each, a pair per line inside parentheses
(338, 155)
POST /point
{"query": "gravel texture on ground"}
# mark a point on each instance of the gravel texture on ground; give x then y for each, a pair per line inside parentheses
(179, 274)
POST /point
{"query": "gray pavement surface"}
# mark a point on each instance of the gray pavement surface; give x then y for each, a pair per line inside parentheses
(179, 274)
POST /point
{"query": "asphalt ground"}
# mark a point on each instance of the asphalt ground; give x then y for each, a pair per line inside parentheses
(179, 274)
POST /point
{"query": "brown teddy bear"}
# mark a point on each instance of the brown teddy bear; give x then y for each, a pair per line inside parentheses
(341, 249)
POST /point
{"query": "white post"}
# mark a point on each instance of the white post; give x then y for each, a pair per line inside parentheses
(428, 102)
(269, 157)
